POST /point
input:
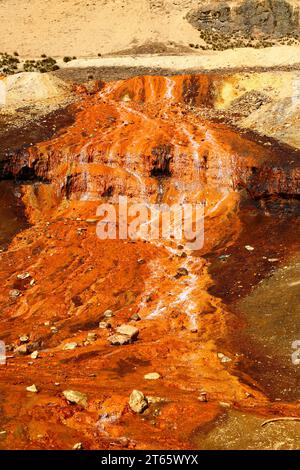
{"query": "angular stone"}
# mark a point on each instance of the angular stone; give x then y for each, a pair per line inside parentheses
(32, 388)
(76, 397)
(137, 401)
(128, 330)
(119, 340)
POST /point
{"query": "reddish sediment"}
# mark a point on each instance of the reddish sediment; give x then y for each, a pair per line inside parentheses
(139, 138)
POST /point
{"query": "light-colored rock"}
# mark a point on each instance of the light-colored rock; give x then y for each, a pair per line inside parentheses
(128, 330)
(104, 325)
(34, 355)
(78, 446)
(76, 397)
(137, 401)
(108, 314)
(23, 275)
(249, 247)
(223, 358)
(32, 388)
(70, 346)
(155, 400)
(91, 337)
(119, 340)
(152, 376)
(14, 293)
(24, 338)
(21, 350)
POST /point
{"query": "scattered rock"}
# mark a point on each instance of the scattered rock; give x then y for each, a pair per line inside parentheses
(78, 446)
(14, 293)
(273, 260)
(91, 337)
(141, 261)
(70, 346)
(249, 247)
(223, 358)
(21, 350)
(119, 340)
(3, 433)
(152, 376)
(24, 339)
(203, 397)
(154, 400)
(34, 355)
(76, 397)
(32, 388)
(108, 314)
(23, 275)
(137, 401)
(128, 330)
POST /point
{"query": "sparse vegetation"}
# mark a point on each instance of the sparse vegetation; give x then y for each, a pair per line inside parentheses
(47, 64)
(220, 41)
(8, 63)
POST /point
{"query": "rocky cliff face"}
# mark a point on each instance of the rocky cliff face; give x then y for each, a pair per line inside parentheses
(273, 18)
(122, 142)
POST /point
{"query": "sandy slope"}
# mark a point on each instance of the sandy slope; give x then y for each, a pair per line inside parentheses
(89, 27)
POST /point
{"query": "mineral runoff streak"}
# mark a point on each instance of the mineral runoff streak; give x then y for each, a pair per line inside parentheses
(150, 459)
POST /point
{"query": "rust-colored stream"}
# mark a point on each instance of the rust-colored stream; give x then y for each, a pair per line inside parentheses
(140, 138)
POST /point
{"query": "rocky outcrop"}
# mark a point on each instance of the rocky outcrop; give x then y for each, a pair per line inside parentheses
(275, 18)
